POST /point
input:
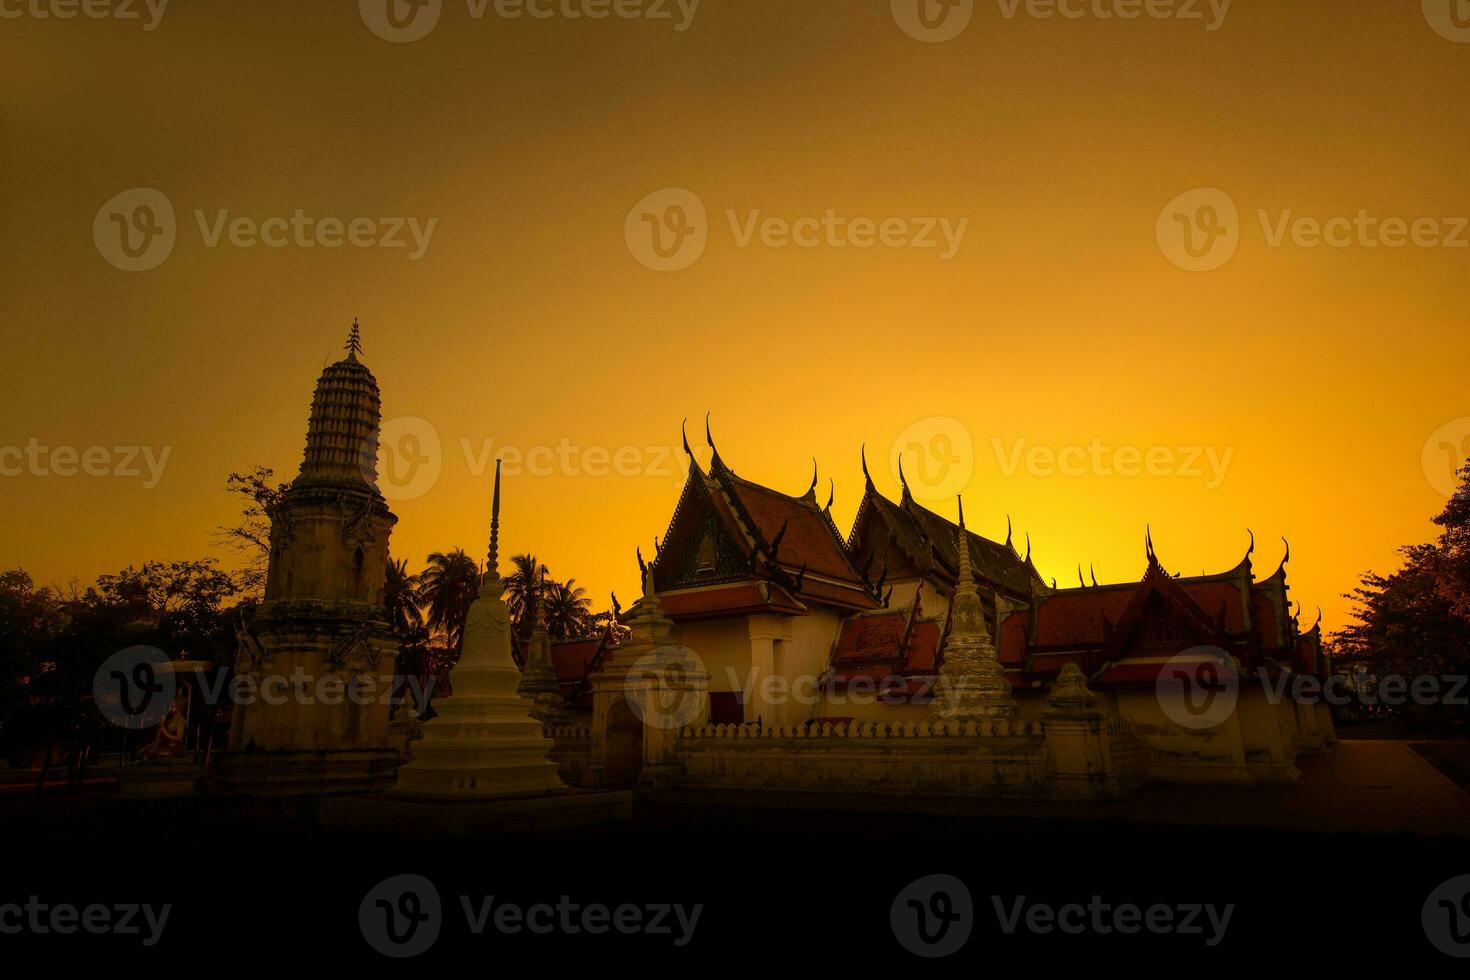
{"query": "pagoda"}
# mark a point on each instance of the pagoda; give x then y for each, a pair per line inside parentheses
(319, 648)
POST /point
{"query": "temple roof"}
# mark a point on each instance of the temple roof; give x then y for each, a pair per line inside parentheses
(929, 543)
(775, 552)
(1101, 625)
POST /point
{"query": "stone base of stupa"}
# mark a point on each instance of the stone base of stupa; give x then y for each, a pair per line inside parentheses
(405, 816)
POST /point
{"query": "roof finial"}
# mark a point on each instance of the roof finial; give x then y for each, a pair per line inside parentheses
(966, 580)
(492, 559)
(1008, 534)
(813, 488)
(1093, 572)
(1081, 583)
(684, 432)
(863, 454)
(903, 480)
(354, 342)
(832, 493)
(1028, 545)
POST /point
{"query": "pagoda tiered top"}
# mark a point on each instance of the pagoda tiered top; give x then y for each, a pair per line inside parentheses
(342, 435)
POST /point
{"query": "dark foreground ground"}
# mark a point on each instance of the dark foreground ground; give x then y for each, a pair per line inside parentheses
(785, 883)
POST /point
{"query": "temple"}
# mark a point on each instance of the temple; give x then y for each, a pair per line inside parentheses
(913, 623)
(768, 650)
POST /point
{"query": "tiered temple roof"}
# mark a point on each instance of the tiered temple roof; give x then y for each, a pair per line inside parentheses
(736, 547)
(1103, 627)
(911, 541)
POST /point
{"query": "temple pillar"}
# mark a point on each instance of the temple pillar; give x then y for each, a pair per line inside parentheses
(757, 678)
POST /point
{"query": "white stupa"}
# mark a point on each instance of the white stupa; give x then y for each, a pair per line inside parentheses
(484, 744)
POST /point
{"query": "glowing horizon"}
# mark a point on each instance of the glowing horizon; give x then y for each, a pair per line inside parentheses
(517, 159)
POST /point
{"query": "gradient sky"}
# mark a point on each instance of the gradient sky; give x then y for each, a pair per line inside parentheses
(528, 321)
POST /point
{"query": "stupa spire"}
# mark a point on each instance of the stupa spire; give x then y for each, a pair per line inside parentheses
(492, 558)
(354, 342)
(342, 434)
(972, 683)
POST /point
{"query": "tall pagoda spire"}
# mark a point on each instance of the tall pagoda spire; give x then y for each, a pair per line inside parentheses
(492, 558)
(972, 683)
(342, 433)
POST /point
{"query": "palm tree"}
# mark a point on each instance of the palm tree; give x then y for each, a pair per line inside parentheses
(524, 582)
(447, 587)
(400, 600)
(568, 612)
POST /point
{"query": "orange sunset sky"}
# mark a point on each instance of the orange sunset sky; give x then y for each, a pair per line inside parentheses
(1320, 374)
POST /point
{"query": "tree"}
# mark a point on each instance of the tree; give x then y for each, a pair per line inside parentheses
(1453, 563)
(447, 587)
(1417, 620)
(251, 537)
(524, 584)
(568, 612)
(401, 600)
